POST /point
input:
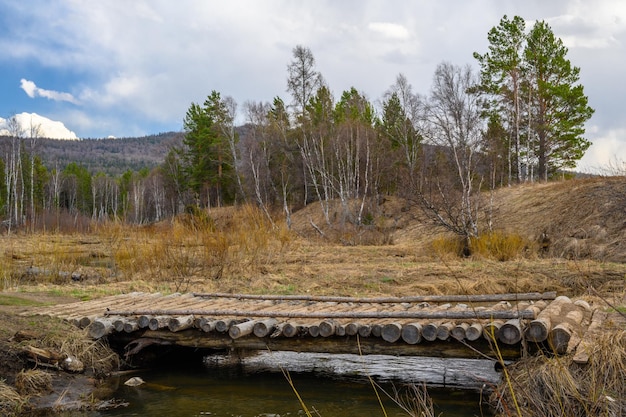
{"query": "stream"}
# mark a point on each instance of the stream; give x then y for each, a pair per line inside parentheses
(232, 392)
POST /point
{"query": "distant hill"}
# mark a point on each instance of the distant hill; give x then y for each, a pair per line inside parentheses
(111, 156)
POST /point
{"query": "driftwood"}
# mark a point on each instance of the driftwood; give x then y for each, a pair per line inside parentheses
(52, 358)
(470, 374)
(380, 300)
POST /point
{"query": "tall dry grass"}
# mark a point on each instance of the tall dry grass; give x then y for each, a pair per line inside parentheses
(495, 245)
(555, 386)
(197, 246)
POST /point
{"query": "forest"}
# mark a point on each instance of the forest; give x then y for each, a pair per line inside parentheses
(519, 118)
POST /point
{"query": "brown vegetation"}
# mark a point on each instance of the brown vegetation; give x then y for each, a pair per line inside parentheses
(564, 236)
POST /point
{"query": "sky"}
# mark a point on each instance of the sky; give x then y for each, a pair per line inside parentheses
(131, 68)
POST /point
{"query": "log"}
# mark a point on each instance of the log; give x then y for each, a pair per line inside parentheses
(511, 332)
(539, 329)
(241, 329)
(264, 327)
(382, 300)
(377, 330)
(340, 330)
(292, 329)
(455, 373)
(101, 327)
(85, 321)
(328, 327)
(143, 321)
(176, 324)
(207, 325)
(314, 330)
(158, 322)
(491, 329)
(352, 329)
(414, 314)
(365, 330)
(586, 346)
(366, 346)
(391, 332)
(131, 326)
(559, 337)
(459, 332)
(223, 325)
(474, 332)
(118, 324)
(412, 333)
(429, 331)
(443, 331)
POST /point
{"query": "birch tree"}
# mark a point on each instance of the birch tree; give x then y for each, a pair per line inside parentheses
(452, 193)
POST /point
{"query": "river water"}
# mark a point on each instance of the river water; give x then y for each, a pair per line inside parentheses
(231, 392)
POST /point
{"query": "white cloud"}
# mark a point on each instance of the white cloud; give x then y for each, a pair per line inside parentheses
(389, 30)
(38, 126)
(31, 89)
(607, 149)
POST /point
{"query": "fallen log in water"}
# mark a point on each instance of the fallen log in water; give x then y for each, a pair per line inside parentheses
(471, 374)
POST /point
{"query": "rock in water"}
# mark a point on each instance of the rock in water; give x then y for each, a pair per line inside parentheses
(134, 382)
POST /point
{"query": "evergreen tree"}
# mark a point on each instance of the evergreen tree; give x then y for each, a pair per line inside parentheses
(534, 91)
(559, 106)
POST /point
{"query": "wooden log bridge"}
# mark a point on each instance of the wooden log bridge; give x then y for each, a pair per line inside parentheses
(451, 326)
(451, 340)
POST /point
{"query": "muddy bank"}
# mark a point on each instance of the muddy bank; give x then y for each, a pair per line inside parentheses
(48, 364)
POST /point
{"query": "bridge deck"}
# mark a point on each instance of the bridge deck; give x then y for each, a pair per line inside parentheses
(436, 326)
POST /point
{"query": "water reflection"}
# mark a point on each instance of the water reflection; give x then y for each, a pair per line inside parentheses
(233, 393)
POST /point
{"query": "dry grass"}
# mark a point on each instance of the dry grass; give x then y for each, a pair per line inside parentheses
(33, 382)
(11, 403)
(554, 386)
